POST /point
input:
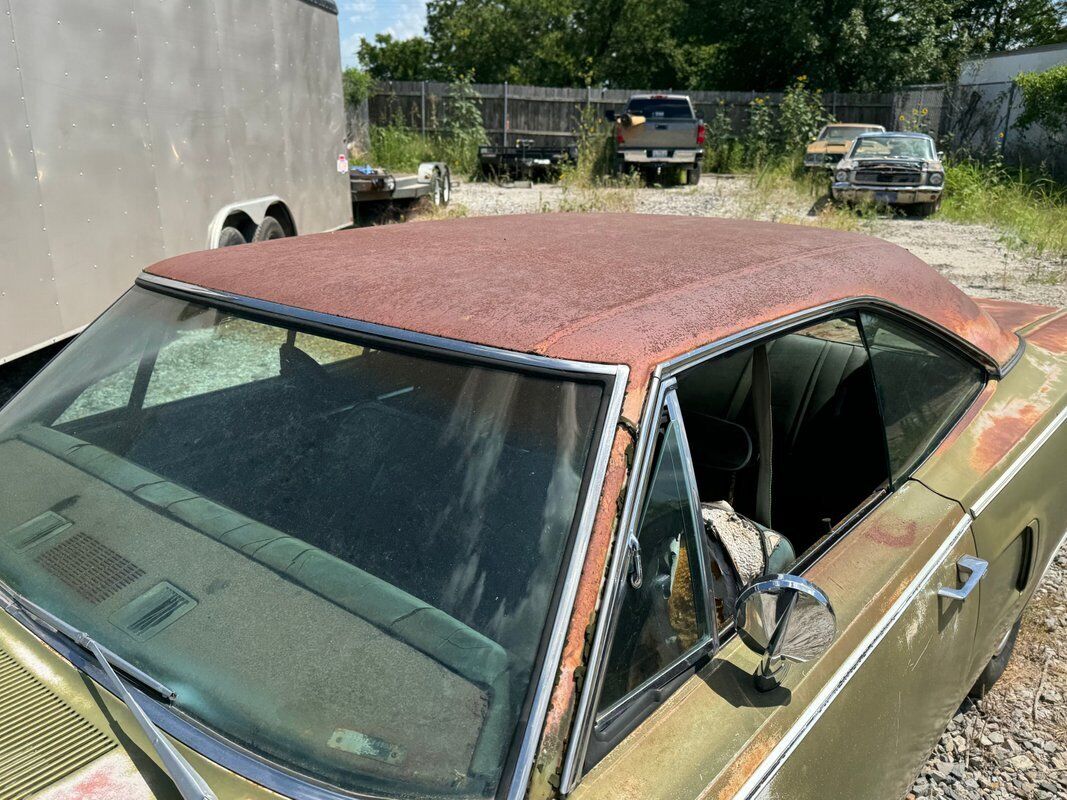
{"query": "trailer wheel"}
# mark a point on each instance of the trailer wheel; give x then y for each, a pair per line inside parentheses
(228, 237)
(268, 229)
(441, 188)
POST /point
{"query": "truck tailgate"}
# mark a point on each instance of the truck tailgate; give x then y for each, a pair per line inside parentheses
(659, 134)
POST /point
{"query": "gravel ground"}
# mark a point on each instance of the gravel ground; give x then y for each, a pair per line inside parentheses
(1012, 743)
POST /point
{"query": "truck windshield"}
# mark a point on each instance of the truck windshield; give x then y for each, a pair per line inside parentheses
(660, 108)
(341, 557)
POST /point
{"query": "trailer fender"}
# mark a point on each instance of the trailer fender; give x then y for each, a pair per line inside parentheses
(246, 215)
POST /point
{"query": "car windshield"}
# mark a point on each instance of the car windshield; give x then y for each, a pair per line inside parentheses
(660, 108)
(341, 556)
(844, 133)
(910, 147)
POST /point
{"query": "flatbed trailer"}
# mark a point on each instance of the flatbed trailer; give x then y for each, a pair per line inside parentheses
(375, 191)
(525, 159)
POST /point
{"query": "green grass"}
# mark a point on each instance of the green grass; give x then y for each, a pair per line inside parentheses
(1031, 213)
(401, 150)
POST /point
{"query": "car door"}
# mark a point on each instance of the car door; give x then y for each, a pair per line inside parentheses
(1005, 464)
(861, 718)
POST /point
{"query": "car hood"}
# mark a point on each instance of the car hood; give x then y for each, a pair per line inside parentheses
(94, 750)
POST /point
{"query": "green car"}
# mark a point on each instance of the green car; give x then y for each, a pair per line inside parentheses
(588, 506)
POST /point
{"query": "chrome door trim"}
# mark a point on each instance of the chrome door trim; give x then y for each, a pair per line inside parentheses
(561, 623)
(800, 318)
(990, 494)
(775, 760)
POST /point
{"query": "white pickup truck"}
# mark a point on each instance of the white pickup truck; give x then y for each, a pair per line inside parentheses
(657, 133)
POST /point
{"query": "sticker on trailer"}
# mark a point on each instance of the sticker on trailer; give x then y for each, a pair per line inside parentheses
(342, 163)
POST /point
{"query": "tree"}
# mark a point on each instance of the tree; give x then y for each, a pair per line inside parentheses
(356, 86)
(994, 25)
(389, 59)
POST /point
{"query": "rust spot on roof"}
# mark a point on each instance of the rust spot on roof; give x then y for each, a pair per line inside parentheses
(615, 288)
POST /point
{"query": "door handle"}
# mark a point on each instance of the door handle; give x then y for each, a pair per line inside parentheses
(976, 568)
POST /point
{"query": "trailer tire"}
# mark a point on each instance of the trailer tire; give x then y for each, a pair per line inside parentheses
(228, 237)
(440, 188)
(268, 229)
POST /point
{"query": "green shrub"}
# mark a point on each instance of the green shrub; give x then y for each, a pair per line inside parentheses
(1044, 100)
(1030, 212)
(800, 116)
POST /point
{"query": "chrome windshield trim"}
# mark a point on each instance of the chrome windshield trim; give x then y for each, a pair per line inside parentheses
(582, 727)
(773, 762)
(561, 623)
(401, 335)
(990, 494)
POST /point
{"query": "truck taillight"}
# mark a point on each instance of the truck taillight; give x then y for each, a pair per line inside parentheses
(618, 134)
(701, 130)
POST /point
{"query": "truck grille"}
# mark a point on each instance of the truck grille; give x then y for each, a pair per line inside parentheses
(889, 175)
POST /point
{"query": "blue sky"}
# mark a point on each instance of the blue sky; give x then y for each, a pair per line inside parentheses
(402, 18)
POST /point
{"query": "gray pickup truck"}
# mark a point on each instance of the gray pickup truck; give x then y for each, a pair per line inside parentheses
(657, 133)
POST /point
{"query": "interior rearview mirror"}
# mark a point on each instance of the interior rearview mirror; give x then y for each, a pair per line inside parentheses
(787, 620)
(609, 114)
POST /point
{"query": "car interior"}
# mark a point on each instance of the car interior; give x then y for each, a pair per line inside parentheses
(823, 452)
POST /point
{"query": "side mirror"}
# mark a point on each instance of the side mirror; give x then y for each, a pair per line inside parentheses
(785, 619)
(940, 155)
(609, 114)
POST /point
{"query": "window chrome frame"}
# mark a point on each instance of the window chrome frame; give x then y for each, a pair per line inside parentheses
(213, 745)
(663, 377)
(709, 640)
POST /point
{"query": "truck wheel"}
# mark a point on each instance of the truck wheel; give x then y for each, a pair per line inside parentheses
(692, 175)
(228, 237)
(998, 663)
(268, 229)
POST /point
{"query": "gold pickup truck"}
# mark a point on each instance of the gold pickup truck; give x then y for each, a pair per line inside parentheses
(833, 142)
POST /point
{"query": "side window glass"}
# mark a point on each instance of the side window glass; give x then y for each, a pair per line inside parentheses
(663, 618)
(923, 388)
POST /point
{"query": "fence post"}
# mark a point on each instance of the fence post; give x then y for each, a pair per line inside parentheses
(505, 125)
(422, 108)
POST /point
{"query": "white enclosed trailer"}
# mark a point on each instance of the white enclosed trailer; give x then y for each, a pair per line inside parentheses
(133, 130)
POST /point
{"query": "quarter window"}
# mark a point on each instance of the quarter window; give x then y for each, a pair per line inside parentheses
(923, 388)
(663, 611)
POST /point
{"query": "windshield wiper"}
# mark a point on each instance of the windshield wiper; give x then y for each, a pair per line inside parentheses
(187, 780)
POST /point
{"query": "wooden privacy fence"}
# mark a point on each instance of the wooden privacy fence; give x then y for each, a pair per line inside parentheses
(552, 114)
(975, 119)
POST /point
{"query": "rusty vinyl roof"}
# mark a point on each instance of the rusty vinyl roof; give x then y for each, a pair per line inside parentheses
(616, 288)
